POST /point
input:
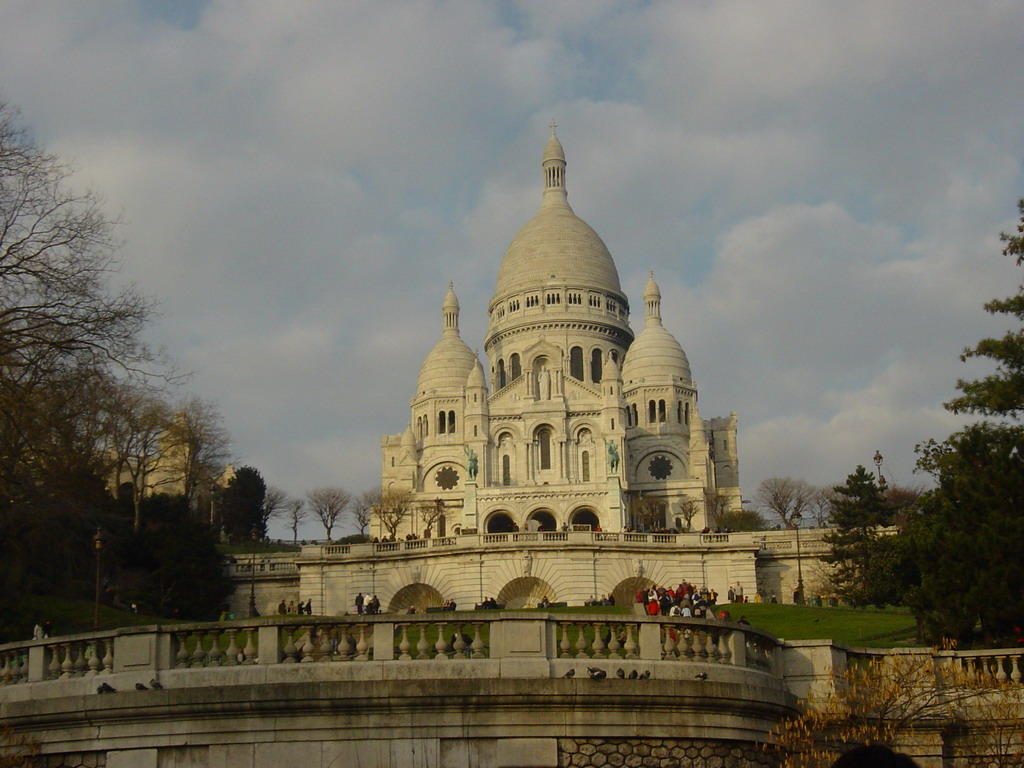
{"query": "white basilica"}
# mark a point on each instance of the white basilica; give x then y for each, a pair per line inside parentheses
(576, 421)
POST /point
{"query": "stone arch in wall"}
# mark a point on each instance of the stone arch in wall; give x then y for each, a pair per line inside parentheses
(499, 522)
(526, 592)
(545, 520)
(585, 516)
(625, 591)
(418, 596)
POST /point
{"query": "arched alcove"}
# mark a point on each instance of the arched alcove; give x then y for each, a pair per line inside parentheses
(499, 522)
(545, 520)
(625, 591)
(526, 592)
(585, 516)
(418, 596)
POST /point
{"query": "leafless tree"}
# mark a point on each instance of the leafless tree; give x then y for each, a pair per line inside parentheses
(295, 513)
(717, 505)
(688, 509)
(273, 504)
(647, 512)
(362, 509)
(328, 504)
(430, 513)
(821, 506)
(392, 510)
(785, 497)
(137, 419)
(195, 446)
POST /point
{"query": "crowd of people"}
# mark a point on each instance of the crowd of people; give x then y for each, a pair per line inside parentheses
(683, 600)
(302, 609)
(367, 605)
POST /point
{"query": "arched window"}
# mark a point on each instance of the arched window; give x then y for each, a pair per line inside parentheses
(679, 412)
(686, 414)
(544, 446)
(636, 415)
(515, 371)
(441, 423)
(651, 412)
(506, 470)
(585, 466)
(576, 363)
(661, 410)
(501, 374)
(451, 422)
(595, 366)
(615, 355)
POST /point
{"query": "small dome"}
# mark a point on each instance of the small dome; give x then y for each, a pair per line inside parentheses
(451, 360)
(654, 355)
(553, 150)
(476, 376)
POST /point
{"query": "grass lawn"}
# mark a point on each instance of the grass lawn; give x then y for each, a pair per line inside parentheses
(852, 626)
(72, 616)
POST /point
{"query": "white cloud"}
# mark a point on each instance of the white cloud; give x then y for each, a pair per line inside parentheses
(818, 188)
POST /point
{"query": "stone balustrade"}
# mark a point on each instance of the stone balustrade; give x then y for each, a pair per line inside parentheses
(455, 636)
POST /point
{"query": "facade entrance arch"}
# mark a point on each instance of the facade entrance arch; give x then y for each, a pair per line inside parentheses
(586, 516)
(499, 522)
(525, 592)
(544, 519)
(625, 591)
(418, 596)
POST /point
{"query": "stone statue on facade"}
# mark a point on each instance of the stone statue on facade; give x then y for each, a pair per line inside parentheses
(472, 463)
(613, 457)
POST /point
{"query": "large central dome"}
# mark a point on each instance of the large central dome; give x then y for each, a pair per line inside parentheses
(556, 244)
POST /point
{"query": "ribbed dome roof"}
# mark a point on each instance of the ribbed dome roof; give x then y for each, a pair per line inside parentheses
(654, 354)
(450, 362)
(556, 243)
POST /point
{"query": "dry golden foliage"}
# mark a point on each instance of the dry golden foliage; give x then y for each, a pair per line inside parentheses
(16, 750)
(883, 699)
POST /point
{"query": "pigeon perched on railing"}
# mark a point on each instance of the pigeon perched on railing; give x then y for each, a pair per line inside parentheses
(597, 674)
(106, 688)
(570, 673)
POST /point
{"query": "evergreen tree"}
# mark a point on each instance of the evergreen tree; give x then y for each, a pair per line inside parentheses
(1002, 392)
(861, 550)
(241, 505)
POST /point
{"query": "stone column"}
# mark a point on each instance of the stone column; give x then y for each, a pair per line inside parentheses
(470, 518)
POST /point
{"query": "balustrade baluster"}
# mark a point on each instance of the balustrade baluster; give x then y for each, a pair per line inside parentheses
(249, 653)
(181, 658)
(563, 645)
(5, 668)
(598, 648)
(198, 653)
(403, 644)
(54, 651)
(686, 648)
(215, 655)
(309, 646)
(231, 654)
(459, 646)
(614, 646)
(724, 646)
(421, 642)
(344, 646)
(1001, 675)
(1015, 674)
(699, 653)
(714, 652)
(108, 655)
(94, 659)
(668, 644)
(20, 668)
(441, 645)
(80, 663)
(478, 641)
(630, 646)
(291, 652)
(362, 645)
(581, 641)
(67, 667)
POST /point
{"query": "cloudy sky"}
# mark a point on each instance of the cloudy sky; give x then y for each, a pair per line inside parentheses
(818, 187)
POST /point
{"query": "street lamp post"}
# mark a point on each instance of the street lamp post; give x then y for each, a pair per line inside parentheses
(878, 465)
(98, 542)
(253, 613)
(798, 597)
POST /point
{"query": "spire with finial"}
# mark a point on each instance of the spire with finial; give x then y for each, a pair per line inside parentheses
(450, 309)
(652, 299)
(554, 165)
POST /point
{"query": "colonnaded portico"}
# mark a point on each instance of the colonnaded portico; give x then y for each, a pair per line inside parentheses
(519, 569)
